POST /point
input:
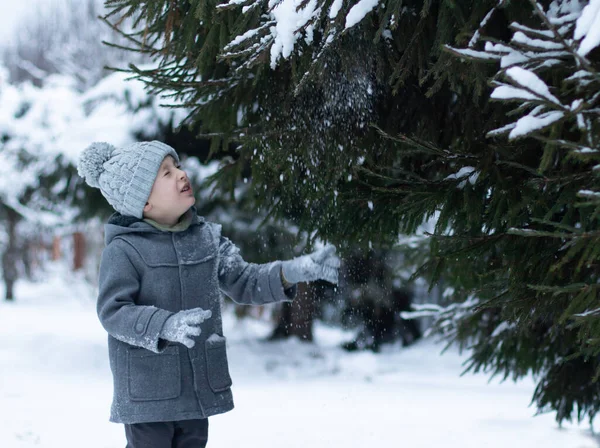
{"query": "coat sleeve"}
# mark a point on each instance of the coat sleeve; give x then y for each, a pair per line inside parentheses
(250, 283)
(119, 285)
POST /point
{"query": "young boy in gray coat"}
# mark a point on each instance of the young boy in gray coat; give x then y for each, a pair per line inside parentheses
(161, 276)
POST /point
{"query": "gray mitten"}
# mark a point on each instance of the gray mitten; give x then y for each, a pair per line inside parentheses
(181, 326)
(322, 264)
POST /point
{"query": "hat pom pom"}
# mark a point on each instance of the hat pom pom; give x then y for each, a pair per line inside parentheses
(92, 160)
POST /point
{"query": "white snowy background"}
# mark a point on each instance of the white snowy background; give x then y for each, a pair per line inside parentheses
(55, 387)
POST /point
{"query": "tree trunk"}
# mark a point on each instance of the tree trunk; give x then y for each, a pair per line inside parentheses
(10, 256)
(78, 250)
(296, 318)
(56, 252)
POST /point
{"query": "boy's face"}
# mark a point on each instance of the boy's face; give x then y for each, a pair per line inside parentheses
(171, 194)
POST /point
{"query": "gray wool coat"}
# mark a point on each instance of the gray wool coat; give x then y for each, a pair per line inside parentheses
(146, 275)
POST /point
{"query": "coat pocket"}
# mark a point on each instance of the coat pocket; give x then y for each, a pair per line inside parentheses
(216, 364)
(153, 376)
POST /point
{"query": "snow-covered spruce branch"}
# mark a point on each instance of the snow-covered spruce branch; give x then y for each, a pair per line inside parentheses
(446, 319)
(551, 74)
(567, 33)
(483, 23)
(560, 235)
(284, 22)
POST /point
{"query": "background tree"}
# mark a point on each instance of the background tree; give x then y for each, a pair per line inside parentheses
(541, 311)
(36, 184)
(56, 97)
(64, 38)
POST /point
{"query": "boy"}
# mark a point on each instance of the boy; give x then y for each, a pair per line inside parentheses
(161, 276)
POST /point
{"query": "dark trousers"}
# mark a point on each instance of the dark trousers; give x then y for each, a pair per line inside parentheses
(182, 434)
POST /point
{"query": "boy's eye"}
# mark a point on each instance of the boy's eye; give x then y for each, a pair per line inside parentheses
(167, 173)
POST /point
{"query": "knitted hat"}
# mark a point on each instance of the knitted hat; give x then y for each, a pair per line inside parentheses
(124, 175)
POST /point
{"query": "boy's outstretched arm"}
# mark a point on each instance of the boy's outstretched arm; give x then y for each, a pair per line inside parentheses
(119, 284)
(257, 284)
(250, 283)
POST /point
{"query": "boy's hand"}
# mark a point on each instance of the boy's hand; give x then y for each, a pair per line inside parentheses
(181, 326)
(322, 264)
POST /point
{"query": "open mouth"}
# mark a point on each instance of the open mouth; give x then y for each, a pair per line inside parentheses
(186, 187)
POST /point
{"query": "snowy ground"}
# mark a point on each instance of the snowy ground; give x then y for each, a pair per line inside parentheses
(55, 388)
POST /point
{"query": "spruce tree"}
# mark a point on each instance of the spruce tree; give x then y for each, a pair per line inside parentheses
(360, 127)
(543, 317)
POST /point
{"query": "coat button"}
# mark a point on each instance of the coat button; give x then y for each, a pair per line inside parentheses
(185, 272)
(139, 328)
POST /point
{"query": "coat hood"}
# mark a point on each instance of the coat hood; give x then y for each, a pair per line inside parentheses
(119, 224)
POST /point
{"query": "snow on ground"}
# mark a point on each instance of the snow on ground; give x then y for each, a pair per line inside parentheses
(55, 388)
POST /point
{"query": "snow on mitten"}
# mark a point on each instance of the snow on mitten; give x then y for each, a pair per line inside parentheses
(181, 326)
(322, 264)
